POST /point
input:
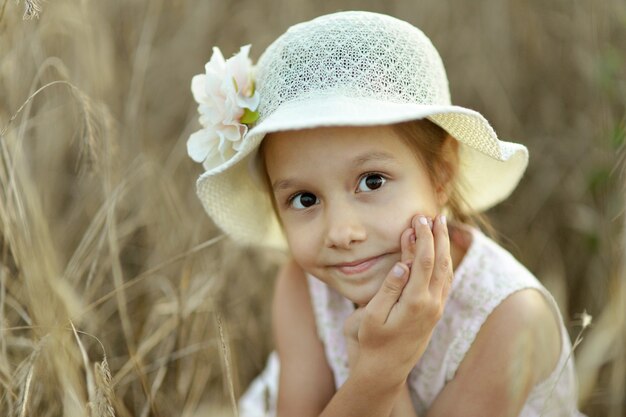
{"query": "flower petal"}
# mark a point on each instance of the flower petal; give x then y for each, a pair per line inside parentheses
(211, 114)
(225, 146)
(243, 131)
(231, 111)
(227, 86)
(216, 63)
(212, 160)
(200, 144)
(239, 68)
(231, 133)
(248, 102)
(215, 71)
(198, 88)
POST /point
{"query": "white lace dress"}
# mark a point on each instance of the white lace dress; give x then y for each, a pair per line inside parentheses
(485, 277)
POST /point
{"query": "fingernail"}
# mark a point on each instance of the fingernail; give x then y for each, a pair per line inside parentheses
(430, 223)
(423, 220)
(397, 270)
(442, 219)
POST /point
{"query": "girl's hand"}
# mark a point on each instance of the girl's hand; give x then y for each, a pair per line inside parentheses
(396, 325)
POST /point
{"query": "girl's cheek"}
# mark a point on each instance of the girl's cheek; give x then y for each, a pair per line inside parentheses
(400, 211)
(403, 215)
(300, 242)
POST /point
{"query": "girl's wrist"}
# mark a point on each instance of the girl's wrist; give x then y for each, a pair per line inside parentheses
(364, 394)
(403, 406)
(379, 377)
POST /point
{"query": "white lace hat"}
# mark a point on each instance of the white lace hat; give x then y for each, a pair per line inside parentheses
(349, 69)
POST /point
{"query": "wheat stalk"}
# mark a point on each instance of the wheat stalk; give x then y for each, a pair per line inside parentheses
(32, 8)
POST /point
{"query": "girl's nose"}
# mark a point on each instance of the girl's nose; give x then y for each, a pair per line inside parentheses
(344, 228)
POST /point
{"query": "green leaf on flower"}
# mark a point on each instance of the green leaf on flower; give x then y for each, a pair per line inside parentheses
(249, 116)
(236, 86)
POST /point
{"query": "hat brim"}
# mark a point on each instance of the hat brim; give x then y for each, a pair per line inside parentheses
(489, 168)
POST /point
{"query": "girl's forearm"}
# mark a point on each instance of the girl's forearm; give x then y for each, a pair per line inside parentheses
(364, 395)
(403, 407)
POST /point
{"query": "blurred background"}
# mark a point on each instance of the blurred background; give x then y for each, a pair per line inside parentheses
(117, 294)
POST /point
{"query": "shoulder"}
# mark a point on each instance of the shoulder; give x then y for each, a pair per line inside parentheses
(516, 315)
(505, 332)
(523, 325)
(517, 347)
(519, 307)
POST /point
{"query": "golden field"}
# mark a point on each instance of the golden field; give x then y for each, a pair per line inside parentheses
(117, 294)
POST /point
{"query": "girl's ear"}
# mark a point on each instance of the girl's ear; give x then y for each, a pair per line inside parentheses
(448, 169)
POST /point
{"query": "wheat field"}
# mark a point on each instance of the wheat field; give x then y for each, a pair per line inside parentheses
(119, 297)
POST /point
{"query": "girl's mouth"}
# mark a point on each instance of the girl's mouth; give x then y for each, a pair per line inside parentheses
(356, 267)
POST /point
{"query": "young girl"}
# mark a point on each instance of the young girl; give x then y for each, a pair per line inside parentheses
(342, 148)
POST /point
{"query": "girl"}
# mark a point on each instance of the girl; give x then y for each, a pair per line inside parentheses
(343, 148)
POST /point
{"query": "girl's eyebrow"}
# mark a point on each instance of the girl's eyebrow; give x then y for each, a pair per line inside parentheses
(374, 156)
(359, 160)
(283, 184)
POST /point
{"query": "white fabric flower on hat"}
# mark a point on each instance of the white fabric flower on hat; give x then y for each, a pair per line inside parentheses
(227, 103)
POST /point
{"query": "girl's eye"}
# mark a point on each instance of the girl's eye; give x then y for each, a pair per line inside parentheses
(371, 182)
(303, 200)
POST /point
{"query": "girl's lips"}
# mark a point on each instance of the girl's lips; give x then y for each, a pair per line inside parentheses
(356, 267)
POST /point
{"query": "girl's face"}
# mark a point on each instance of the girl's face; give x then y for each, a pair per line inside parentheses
(344, 196)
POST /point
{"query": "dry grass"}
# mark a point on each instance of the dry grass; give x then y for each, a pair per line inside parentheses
(117, 294)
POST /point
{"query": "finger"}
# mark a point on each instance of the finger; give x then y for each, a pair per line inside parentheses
(352, 323)
(387, 296)
(446, 290)
(407, 246)
(422, 267)
(442, 271)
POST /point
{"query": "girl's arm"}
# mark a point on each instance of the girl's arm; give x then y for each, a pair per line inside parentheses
(403, 407)
(306, 381)
(518, 346)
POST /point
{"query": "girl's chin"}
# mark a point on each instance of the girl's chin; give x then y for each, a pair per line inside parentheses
(362, 297)
(359, 291)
